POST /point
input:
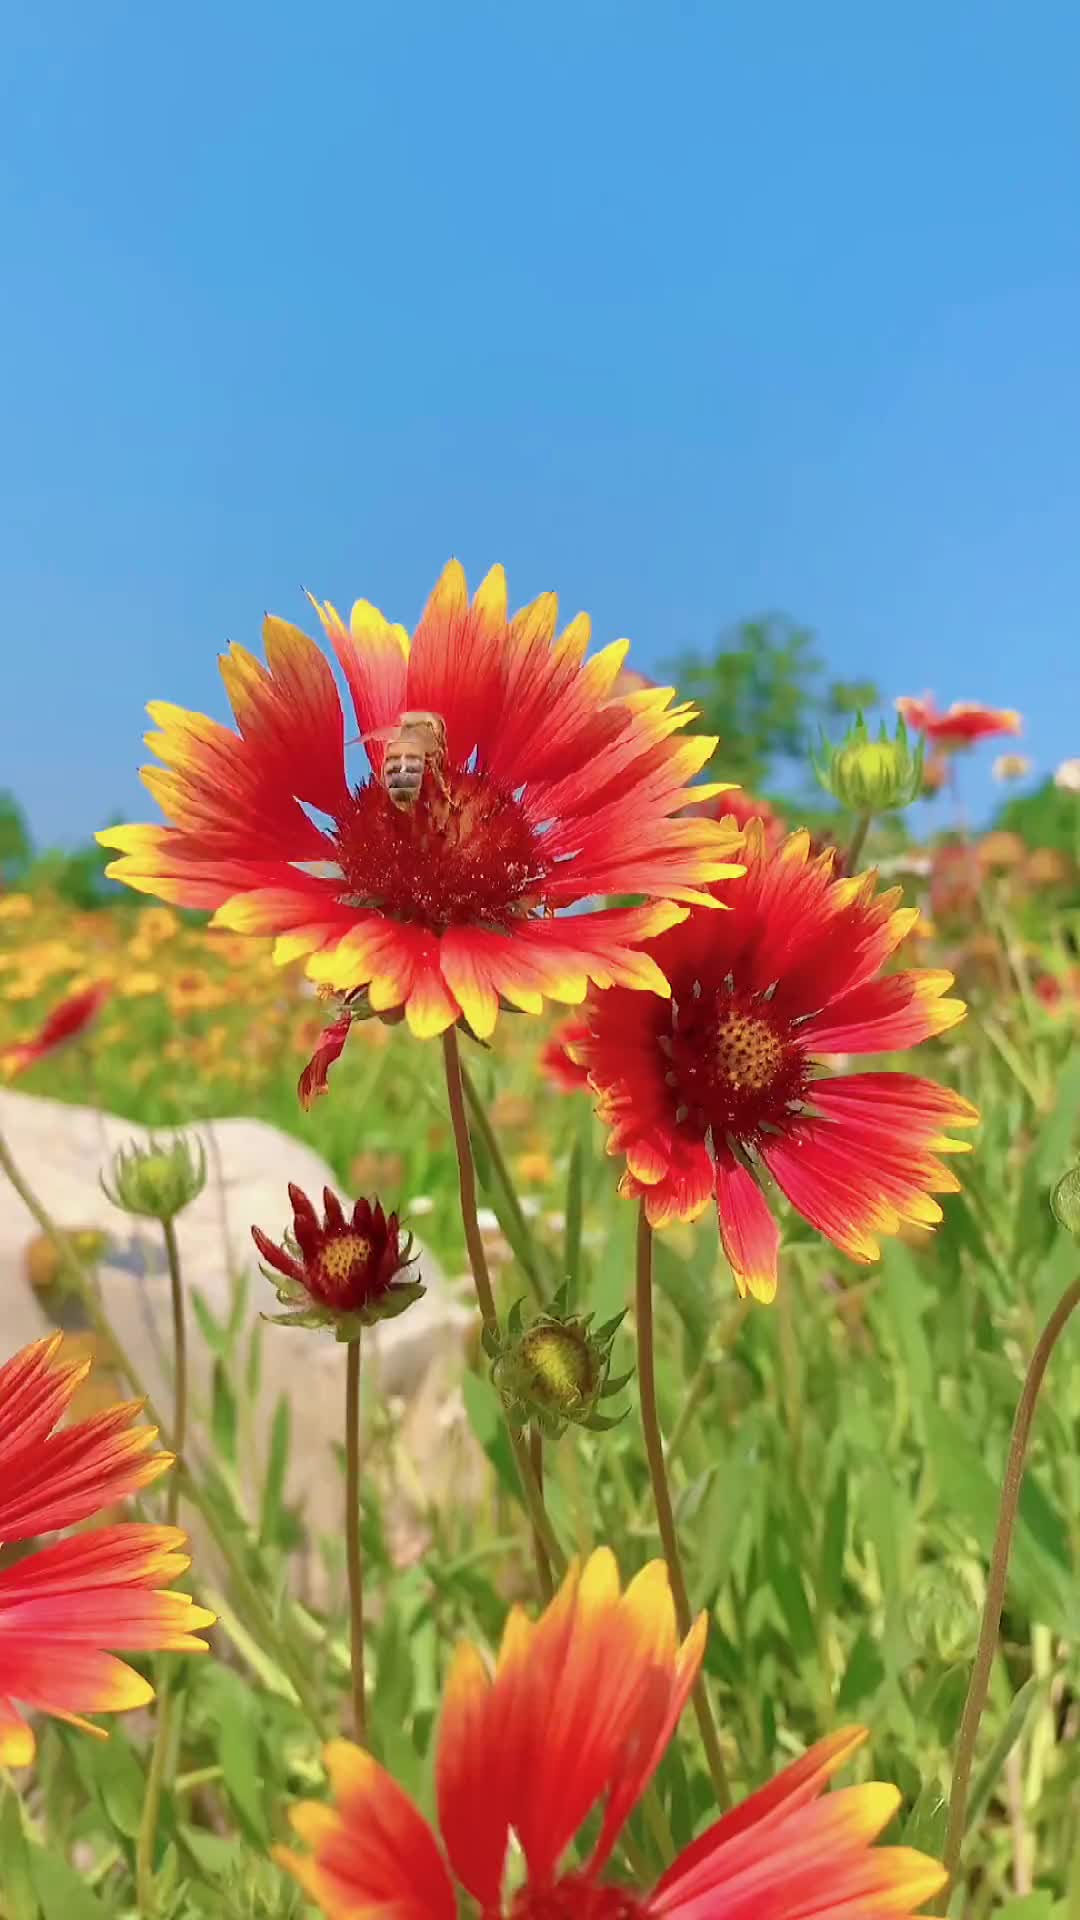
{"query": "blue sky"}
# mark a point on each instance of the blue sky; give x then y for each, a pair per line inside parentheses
(686, 310)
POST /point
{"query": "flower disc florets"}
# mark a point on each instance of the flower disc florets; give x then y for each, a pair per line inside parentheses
(555, 1369)
(872, 776)
(157, 1182)
(342, 1271)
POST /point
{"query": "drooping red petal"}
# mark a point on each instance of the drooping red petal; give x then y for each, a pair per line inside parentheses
(330, 1047)
(750, 1235)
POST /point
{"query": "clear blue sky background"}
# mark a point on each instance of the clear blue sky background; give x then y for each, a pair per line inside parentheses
(686, 310)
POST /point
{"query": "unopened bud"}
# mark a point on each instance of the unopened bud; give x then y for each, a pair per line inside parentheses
(872, 776)
(1065, 1202)
(555, 1370)
(157, 1182)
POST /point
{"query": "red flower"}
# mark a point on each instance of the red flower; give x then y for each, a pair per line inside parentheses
(964, 722)
(708, 1092)
(535, 790)
(344, 1272)
(557, 1060)
(63, 1606)
(580, 1711)
(66, 1022)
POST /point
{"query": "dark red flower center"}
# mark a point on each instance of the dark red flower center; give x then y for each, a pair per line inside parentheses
(575, 1899)
(465, 857)
(735, 1065)
(342, 1273)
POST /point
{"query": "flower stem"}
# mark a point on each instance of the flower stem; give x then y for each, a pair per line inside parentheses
(536, 1460)
(857, 841)
(155, 1779)
(543, 1532)
(148, 1816)
(979, 1683)
(275, 1642)
(352, 1536)
(654, 1449)
(178, 1437)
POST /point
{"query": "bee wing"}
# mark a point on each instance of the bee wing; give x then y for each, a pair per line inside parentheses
(383, 734)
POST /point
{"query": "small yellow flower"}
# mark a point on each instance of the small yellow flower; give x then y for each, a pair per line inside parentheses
(534, 1169)
(157, 924)
(16, 906)
(194, 991)
(134, 986)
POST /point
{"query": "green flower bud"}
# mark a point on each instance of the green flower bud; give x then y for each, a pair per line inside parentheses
(556, 1369)
(1065, 1201)
(872, 776)
(157, 1182)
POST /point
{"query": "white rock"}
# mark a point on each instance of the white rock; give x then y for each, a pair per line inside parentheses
(60, 1151)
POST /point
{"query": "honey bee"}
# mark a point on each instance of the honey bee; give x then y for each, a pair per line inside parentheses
(417, 741)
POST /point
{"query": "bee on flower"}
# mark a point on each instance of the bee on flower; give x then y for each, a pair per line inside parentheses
(540, 787)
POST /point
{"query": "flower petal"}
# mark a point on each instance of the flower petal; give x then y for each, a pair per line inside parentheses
(750, 1235)
(373, 1854)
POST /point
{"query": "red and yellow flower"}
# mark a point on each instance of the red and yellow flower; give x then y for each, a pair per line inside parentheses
(961, 724)
(63, 1606)
(345, 1271)
(581, 1708)
(707, 1093)
(554, 790)
(68, 1021)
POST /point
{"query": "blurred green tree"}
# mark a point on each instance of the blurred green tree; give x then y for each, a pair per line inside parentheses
(760, 689)
(16, 847)
(1048, 817)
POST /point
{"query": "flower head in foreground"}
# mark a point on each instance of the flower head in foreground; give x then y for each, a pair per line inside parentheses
(341, 1272)
(68, 1021)
(961, 725)
(64, 1605)
(506, 783)
(710, 1091)
(581, 1708)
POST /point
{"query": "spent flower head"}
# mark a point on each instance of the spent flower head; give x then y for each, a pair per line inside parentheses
(156, 1181)
(555, 1368)
(872, 776)
(341, 1272)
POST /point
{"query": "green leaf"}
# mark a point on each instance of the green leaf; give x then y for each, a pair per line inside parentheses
(863, 1674)
(277, 1466)
(214, 1331)
(834, 1538)
(224, 1415)
(62, 1893)
(926, 1823)
(238, 1752)
(17, 1894)
(572, 1209)
(1011, 1730)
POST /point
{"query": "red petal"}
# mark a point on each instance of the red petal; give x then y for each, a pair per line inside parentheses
(750, 1234)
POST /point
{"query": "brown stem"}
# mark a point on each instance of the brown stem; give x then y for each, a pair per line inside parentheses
(979, 1684)
(654, 1449)
(352, 1537)
(553, 1556)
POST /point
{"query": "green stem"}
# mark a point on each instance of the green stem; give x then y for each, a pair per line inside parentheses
(857, 841)
(533, 1497)
(352, 1537)
(979, 1683)
(155, 1779)
(148, 1818)
(536, 1461)
(654, 1450)
(275, 1642)
(180, 1366)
